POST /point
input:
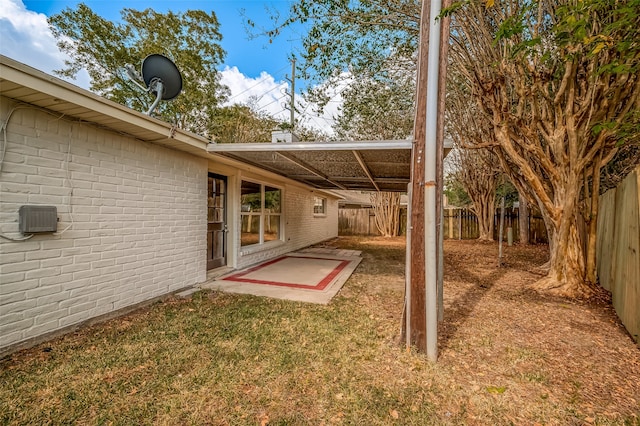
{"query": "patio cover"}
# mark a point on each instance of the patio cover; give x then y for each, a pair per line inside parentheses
(356, 165)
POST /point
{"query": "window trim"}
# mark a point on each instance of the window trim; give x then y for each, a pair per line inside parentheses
(324, 206)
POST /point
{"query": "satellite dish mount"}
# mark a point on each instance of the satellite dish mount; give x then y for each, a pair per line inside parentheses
(160, 76)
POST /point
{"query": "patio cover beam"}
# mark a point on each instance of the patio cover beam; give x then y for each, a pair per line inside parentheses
(365, 169)
(351, 179)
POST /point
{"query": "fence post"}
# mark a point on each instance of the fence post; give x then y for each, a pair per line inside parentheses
(501, 229)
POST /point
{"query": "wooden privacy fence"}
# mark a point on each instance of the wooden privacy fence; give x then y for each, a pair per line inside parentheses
(361, 221)
(463, 224)
(458, 224)
(618, 249)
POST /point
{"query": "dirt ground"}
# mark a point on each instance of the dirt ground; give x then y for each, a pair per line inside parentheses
(495, 326)
(501, 337)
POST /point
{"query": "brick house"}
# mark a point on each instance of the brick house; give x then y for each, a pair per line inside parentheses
(141, 209)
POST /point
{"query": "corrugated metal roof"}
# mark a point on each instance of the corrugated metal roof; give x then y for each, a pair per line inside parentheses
(362, 198)
(353, 165)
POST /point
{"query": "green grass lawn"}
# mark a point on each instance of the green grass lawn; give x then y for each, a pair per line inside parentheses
(214, 359)
(235, 359)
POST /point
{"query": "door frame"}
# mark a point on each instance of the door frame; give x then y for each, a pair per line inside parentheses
(225, 222)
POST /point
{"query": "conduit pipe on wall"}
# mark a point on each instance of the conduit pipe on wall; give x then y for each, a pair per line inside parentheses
(430, 188)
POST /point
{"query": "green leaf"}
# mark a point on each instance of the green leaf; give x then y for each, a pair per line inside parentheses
(496, 389)
(598, 48)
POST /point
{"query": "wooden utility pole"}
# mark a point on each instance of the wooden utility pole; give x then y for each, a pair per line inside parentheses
(416, 334)
(292, 104)
(415, 327)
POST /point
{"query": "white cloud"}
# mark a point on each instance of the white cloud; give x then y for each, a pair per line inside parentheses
(270, 96)
(263, 92)
(325, 118)
(25, 37)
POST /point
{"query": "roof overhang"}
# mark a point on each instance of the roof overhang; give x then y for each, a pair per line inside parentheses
(382, 165)
(30, 86)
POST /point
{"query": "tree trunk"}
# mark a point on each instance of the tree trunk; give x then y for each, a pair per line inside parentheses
(566, 276)
(486, 213)
(500, 232)
(386, 206)
(523, 219)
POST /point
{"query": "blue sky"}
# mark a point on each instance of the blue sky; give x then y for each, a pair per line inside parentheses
(250, 56)
(253, 68)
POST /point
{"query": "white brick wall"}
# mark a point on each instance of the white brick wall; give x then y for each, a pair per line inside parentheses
(303, 228)
(138, 232)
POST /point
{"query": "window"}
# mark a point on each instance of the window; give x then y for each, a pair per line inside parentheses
(260, 212)
(319, 206)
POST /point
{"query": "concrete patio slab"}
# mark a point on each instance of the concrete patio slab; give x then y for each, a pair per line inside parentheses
(313, 276)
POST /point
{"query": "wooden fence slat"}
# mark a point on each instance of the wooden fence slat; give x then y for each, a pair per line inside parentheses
(605, 237)
(625, 274)
(463, 224)
(618, 249)
(356, 222)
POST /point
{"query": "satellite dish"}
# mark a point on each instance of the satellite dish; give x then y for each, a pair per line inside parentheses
(158, 67)
(160, 76)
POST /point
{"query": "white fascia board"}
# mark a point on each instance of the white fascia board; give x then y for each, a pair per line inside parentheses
(311, 146)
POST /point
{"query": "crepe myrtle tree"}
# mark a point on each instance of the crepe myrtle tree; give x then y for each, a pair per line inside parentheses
(477, 170)
(386, 206)
(479, 176)
(559, 83)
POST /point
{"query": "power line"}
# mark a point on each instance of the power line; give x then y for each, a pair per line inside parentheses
(273, 102)
(291, 106)
(263, 79)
